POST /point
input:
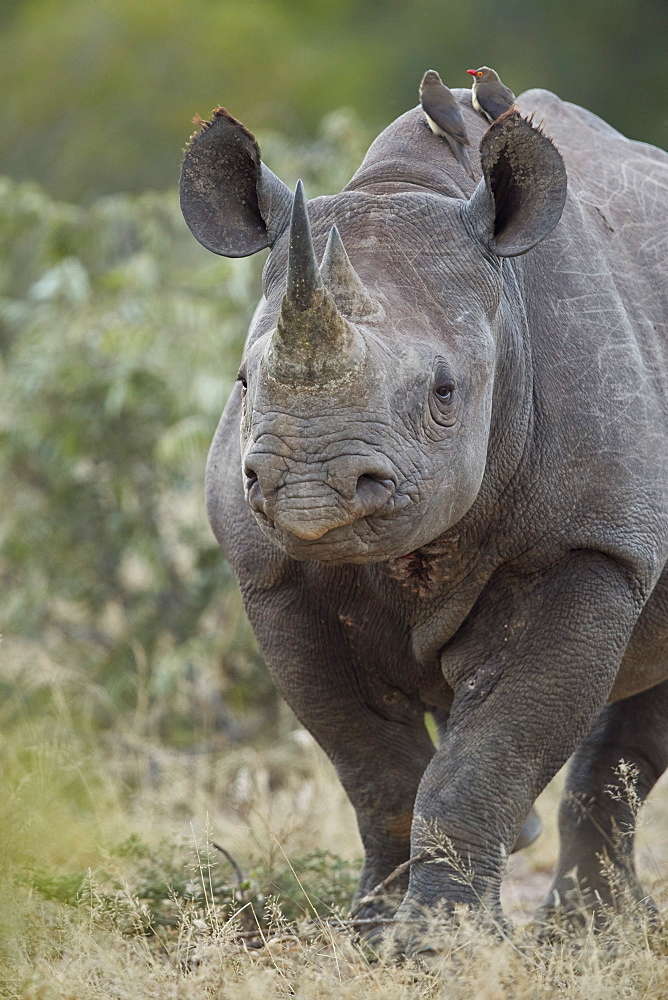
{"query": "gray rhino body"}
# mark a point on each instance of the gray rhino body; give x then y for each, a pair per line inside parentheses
(465, 509)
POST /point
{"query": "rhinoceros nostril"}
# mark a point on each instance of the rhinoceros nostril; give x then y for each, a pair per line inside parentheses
(255, 497)
(371, 493)
(250, 476)
(370, 482)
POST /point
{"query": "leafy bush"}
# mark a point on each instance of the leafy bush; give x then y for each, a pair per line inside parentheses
(119, 343)
(167, 886)
(120, 338)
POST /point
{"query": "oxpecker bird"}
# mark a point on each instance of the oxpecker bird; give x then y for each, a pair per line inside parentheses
(488, 95)
(444, 117)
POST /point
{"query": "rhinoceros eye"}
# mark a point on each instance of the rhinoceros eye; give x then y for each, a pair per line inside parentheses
(445, 390)
(442, 401)
(241, 378)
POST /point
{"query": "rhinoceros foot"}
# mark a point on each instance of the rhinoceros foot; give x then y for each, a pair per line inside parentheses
(578, 902)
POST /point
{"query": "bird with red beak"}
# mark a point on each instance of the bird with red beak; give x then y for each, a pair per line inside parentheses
(489, 95)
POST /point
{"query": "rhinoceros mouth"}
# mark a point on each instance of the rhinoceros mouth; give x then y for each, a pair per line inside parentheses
(360, 539)
(311, 514)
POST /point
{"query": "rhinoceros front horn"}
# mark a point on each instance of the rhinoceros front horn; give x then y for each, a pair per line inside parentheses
(313, 342)
(304, 281)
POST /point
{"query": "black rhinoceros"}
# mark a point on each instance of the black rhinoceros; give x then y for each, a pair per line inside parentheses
(442, 483)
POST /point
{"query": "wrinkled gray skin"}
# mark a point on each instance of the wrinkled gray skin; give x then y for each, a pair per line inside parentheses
(497, 557)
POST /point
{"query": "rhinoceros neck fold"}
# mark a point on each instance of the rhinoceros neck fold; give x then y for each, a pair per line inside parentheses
(407, 155)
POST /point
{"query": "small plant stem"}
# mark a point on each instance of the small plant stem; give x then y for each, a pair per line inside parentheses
(379, 890)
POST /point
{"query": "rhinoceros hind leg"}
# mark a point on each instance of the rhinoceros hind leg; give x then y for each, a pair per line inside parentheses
(609, 778)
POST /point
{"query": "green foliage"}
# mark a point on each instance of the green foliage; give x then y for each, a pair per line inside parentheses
(100, 99)
(318, 884)
(120, 339)
(113, 833)
(163, 887)
(61, 888)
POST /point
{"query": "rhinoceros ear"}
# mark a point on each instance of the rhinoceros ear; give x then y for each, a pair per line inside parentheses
(233, 204)
(523, 189)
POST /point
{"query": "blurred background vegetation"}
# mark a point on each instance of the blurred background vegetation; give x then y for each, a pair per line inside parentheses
(133, 700)
(131, 688)
(120, 338)
(98, 94)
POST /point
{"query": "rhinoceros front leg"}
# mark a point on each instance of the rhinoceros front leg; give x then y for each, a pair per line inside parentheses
(531, 827)
(610, 776)
(374, 735)
(554, 644)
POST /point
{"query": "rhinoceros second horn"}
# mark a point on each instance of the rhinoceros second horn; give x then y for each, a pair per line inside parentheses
(342, 280)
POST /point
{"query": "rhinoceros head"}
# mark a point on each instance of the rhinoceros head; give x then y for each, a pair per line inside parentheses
(367, 386)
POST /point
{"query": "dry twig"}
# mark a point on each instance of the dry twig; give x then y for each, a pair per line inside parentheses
(379, 890)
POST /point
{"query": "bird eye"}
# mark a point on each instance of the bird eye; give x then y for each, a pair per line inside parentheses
(478, 74)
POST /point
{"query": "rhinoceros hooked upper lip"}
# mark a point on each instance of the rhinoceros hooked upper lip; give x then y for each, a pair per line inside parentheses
(351, 487)
(309, 503)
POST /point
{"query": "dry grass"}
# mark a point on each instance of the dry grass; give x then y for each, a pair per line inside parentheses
(125, 814)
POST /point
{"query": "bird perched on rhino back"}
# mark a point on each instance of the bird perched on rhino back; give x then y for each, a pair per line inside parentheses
(489, 95)
(444, 117)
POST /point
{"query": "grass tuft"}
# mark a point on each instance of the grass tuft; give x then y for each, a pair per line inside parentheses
(245, 891)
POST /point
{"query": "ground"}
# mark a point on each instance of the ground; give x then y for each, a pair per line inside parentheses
(118, 883)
